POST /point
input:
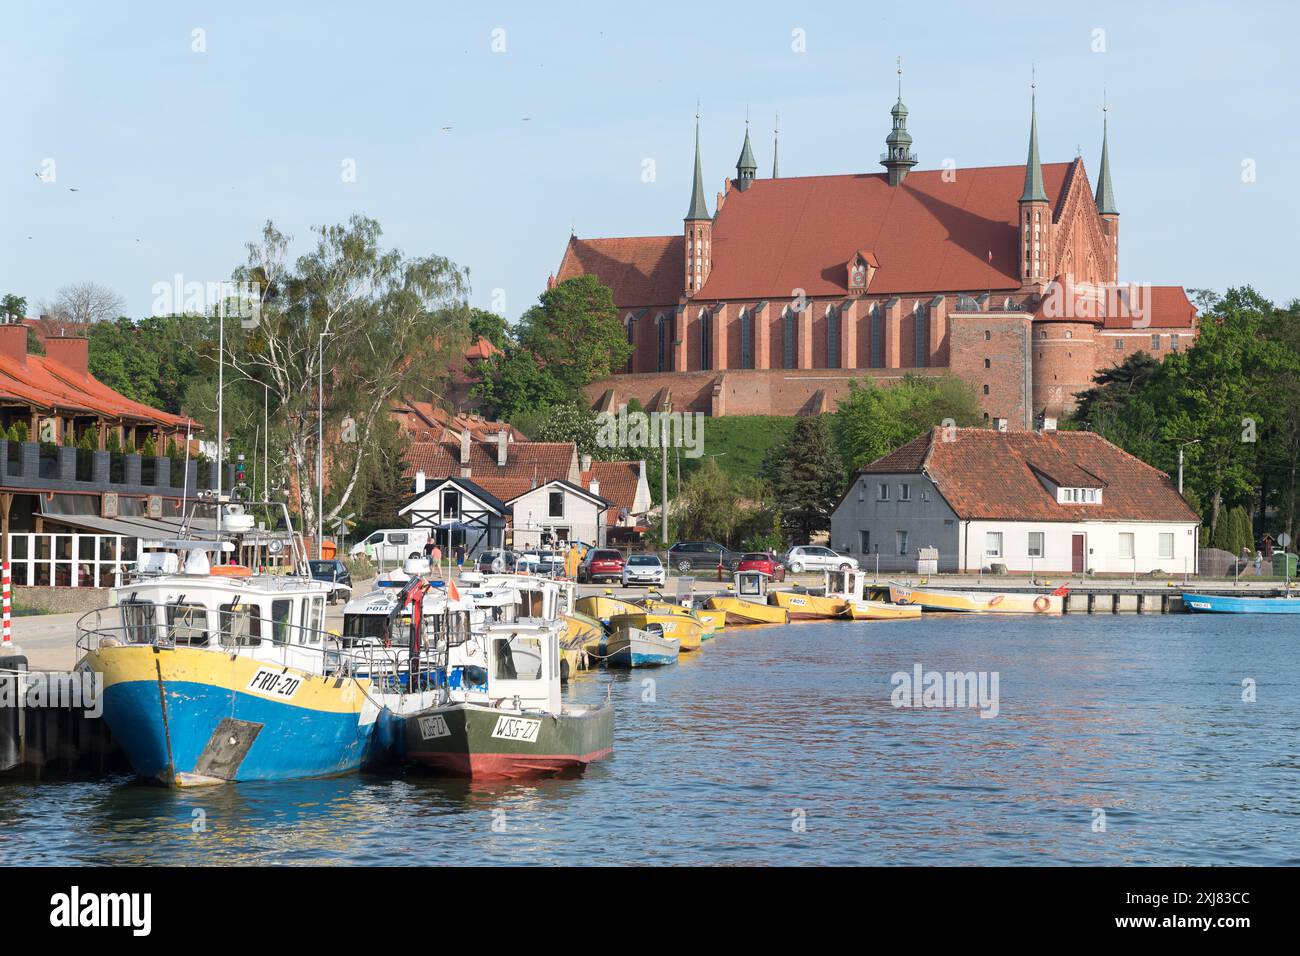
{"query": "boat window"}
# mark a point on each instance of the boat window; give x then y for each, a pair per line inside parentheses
(533, 603)
(315, 620)
(749, 584)
(138, 621)
(281, 620)
(365, 626)
(187, 624)
(517, 658)
(241, 625)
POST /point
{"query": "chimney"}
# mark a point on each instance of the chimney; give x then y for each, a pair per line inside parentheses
(501, 449)
(13, 342)
(464, 449)
(419, 482)
(584, 464)
(70, 351)
(594, 487)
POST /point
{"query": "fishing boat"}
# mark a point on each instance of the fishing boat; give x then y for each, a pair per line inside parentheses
(579, 631)
(212, 673)
(747, 601)
(633, 647)
(688, 630)
(850, 584)
(499, 715)
(988, 602)
(803, 606)
(1232, 604)
(602, 607)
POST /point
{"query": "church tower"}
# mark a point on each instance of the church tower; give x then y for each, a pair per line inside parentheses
(746, 168)
(1035, 213)
(898, 157)
(1105, 200)
(699, 227)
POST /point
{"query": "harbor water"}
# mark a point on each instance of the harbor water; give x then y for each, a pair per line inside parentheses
(1116, 740)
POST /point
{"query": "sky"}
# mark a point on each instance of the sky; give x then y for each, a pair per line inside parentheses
(167, 134)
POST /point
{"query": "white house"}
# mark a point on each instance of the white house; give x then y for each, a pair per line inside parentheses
(570, 512)
(1046, 501)
(458, 512)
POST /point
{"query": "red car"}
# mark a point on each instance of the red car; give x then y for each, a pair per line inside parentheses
(601, 563)
(761, 561)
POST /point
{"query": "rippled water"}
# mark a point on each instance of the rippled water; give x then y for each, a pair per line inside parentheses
(771, 729)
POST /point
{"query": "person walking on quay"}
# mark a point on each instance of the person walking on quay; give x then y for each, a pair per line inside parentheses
(571, 561)
(460, 556)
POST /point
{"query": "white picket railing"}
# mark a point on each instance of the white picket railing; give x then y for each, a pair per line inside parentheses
(63, 559)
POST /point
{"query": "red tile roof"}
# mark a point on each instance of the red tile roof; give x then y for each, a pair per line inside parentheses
(618, 484)
(43, 382)
(928, 234)
(641, 271)
(424, 421)
(990, 475)
(1119, 308)
(524, 460)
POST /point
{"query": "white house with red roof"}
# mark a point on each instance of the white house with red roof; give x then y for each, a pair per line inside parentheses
(1028, 501)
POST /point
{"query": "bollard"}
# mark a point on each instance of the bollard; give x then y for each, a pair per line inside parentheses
(7, 645)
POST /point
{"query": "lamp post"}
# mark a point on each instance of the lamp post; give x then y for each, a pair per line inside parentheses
(1196, 441)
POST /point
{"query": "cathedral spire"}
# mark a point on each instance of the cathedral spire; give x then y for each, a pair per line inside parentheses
(746, 168)
(1105, 191)
(699, 208)
(776, 136)
(1034, 191)
(898, 157)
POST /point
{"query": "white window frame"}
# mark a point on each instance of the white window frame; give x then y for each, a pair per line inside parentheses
(882, 491)
(991, 551)
(1127, 542)
(1030, 549)
(1161, 538)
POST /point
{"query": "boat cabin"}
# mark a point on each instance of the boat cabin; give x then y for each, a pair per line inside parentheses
(751, 585)
(848, 584)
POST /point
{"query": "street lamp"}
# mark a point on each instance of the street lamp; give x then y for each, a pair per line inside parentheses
(1195, 441)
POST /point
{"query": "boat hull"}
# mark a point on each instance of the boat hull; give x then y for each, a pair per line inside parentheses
(882, 611)
(688, 630)
(629, 647)
(579, 631)
(809, 607)
(709, 623)
(741, 612)
(602, 607)
(1228, 604)
(483, 743)
(186, 716)
(977, 601)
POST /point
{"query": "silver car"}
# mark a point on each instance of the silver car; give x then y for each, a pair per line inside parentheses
(644, 569)
(811, 557)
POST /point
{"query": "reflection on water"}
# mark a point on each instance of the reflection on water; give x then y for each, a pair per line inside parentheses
(717, 757)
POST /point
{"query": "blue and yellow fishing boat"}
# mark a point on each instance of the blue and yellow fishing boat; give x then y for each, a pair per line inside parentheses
(213, 674)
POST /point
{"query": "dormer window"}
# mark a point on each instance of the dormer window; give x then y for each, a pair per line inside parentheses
(1078, 496)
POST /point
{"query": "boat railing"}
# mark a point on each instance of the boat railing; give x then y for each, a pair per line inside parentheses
(387, 665)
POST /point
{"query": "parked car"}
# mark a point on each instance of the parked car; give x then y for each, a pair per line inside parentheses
(688, 555)
(601, 564)
(644, 569)
(335, 573)
(811, 557)
(497, 562)
(392, 545)
(762, 561)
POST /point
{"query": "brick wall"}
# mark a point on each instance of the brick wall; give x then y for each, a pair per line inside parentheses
(1002, 341)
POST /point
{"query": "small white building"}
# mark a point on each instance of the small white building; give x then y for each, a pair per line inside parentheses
(568, 511)
(1052, 501)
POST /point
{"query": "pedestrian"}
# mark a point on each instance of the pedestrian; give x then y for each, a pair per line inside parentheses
(1259, 562)
(460, 555)
(435, 553)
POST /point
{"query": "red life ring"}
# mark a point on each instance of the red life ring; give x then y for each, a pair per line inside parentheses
(1041, 603)
(996, 599)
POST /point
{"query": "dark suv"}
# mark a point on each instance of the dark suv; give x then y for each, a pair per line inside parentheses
(336, 574)
(688, 555)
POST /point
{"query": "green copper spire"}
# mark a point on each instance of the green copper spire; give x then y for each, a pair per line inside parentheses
(898, 157)
(1034, 191)
(1105, 193)
(699, 208)
(776, 136)
(746, 168)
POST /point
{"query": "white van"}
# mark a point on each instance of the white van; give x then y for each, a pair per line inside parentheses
(392, 545)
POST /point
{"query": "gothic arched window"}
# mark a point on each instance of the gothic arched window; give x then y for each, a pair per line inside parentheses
(746, 338)
(832, 337)
(877, 338)
(787, 338)
(661, 333)
(706, 339)
(922, 343)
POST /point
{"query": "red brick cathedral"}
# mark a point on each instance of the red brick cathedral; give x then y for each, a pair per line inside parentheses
(793, 286)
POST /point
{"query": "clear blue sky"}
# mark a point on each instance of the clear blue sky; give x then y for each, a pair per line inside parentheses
(179, 157)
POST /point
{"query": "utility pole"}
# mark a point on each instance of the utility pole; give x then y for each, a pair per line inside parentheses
(663, 483)
(1180, 462)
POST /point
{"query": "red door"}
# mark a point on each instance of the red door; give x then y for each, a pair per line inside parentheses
(1076, 553)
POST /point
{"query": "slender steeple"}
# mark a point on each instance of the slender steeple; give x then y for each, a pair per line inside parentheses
(1034, 191)
(746, 168)
(898, 157)
(776, 136)
(699, 208)
(1105, 191)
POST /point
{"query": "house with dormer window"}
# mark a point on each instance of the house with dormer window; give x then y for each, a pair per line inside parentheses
(1040, 501)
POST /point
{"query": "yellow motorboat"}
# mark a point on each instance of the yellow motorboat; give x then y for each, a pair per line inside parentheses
(809, 607)
(987, 602)
(712, 622)
(602, 607)
(579, 631)
(882, 611)
(688, 630)
(747, 601)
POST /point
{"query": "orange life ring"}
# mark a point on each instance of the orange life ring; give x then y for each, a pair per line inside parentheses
(1041, 603)
(996, 599)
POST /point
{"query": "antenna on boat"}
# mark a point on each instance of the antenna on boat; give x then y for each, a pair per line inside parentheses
(221, 381)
